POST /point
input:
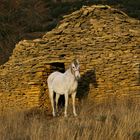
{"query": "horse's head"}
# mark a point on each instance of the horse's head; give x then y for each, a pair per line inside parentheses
(75, 69)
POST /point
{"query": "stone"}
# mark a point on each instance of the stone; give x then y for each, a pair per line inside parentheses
(106, 42)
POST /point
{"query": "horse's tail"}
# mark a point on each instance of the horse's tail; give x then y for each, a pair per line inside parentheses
(51, 77)
(49, 82)
(51, 92)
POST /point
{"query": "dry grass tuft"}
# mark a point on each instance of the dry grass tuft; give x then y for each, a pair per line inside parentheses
(106, 121)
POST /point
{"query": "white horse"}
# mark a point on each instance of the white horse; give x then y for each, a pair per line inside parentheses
(64, 84)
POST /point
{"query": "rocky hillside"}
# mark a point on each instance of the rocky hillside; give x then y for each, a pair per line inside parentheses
(102, 37)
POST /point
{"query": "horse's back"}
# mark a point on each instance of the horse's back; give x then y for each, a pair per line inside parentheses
(53, 75)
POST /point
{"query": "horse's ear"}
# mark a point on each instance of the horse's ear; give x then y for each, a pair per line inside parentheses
(77, 61)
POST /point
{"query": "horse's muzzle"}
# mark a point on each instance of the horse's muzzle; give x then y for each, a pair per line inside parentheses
(78, 77)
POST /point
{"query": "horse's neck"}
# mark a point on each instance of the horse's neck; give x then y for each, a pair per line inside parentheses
(68, 72)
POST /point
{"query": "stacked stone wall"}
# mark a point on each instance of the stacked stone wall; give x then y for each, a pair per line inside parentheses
(105, 40)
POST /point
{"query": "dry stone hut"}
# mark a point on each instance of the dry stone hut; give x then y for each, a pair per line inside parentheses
(105, 40)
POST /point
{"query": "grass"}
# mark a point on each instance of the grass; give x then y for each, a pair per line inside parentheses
(117, 120)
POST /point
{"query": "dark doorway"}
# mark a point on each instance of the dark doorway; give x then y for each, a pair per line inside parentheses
(58, 66)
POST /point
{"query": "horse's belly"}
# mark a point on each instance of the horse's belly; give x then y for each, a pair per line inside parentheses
(58, 86)
(61, 86)
(59, 90)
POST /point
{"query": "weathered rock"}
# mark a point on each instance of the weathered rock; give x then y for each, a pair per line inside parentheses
(105, 40)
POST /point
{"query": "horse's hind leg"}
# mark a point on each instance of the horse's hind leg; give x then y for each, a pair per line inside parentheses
(51, 93)
(56, 101)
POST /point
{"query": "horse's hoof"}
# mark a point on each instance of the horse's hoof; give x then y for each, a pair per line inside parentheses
(75, 115)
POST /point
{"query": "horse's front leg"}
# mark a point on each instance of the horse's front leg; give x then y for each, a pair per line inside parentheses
(66, 104)
(73, 103)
